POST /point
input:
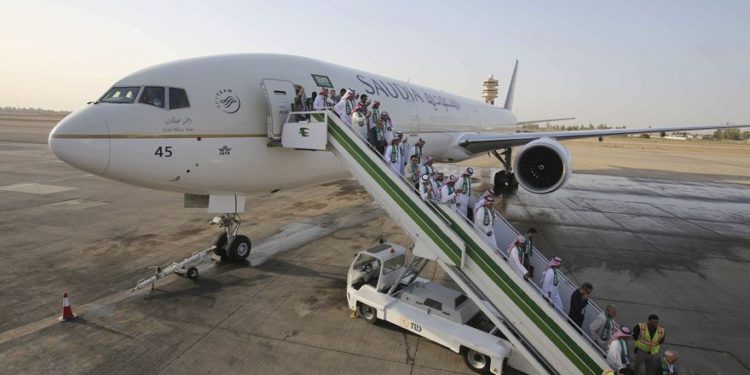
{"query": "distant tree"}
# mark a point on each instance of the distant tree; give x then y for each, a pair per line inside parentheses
(718, 135)
(732, 134)
(745, 135)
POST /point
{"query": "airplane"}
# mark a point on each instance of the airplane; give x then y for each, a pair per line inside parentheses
(210, 127)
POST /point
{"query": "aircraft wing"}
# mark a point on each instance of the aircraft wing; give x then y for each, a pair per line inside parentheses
(478, 143)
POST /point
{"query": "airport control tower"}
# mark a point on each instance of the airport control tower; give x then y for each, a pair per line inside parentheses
(489, 90)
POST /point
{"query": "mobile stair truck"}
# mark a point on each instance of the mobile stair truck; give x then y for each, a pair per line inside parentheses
(380, 285)
(541, 339)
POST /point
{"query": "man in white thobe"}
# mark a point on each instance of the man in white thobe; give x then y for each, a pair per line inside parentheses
(515, 255)
(464, 188)
(603, 326)
(417, 149)
(618, 356)
(448, 193)
(393, 156)
(320, 101)
(484, 221)
(438, 180)
(551, 281)
(425, 188)
(344, 108)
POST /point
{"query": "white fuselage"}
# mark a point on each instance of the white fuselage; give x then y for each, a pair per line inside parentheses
(209, 148)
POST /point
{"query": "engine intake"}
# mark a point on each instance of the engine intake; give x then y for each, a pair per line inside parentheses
(542, 166)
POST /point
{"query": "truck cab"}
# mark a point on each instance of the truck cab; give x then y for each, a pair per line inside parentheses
(381, 286)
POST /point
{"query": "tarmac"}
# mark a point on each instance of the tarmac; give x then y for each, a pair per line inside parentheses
(679, 249)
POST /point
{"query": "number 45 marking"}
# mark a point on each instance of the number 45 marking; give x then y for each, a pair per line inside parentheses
(163, 151)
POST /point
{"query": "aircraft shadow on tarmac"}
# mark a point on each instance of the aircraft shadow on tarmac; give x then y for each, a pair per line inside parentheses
(87, 323)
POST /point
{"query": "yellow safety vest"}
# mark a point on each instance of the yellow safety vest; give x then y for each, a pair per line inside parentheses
(649, 344)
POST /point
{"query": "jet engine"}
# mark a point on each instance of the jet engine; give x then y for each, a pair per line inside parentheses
(542, 166)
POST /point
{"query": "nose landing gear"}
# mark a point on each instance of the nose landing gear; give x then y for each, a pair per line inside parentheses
(229, 245)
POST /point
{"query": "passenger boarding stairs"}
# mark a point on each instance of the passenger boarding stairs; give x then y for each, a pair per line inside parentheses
(542, 336)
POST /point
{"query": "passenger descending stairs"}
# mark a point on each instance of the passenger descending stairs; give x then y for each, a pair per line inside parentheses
(540, 334)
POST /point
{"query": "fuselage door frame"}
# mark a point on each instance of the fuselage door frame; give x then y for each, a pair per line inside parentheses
(280, 98)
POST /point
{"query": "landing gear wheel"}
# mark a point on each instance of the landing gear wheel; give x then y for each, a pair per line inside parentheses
(369, 313)
(477, 361)
(221, 246)
(239, 249)
(192, 273)
(505, 182)
(513, 184)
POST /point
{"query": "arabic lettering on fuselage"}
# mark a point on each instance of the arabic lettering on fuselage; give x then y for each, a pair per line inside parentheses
(395, 90)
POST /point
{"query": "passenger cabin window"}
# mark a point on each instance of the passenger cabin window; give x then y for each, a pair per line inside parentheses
(178, 98)
(120, 95)
(153, 95)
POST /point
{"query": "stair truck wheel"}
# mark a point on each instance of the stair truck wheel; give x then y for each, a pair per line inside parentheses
(477, 361)
(368, 313)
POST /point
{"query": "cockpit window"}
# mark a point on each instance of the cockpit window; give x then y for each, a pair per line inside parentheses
(153, 95)
(178, 98)
(120, 95)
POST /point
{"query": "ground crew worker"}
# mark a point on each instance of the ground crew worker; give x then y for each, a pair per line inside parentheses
(417, 149)
(393, 156)
(603, 326)
(412, 171)
(617, 350)
(425, 188)
(515, 255)
(484, 221)
(666, 364)
(448, 192)
(648, 339)
(579, 299)
(376, 137)
(551, 281)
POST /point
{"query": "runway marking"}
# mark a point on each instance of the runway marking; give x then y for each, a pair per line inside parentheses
(34, 188)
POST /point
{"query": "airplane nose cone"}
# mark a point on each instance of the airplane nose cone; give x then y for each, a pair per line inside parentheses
(82, 140)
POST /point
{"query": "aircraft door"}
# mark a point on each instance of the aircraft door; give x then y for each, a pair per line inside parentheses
(280, 98)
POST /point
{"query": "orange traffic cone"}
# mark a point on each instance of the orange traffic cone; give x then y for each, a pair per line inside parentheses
(67, 313)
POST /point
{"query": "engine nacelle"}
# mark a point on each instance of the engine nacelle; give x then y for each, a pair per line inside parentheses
(542, 166)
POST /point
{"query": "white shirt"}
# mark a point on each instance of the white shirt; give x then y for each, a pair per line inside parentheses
(448, 194)
(320, 102)
(425, 191)
(513, 255)
(393, 157)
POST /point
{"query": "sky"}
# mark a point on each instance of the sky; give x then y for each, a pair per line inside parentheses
(632, 63)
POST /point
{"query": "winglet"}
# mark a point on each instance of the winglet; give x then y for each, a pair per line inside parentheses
(511, 89)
